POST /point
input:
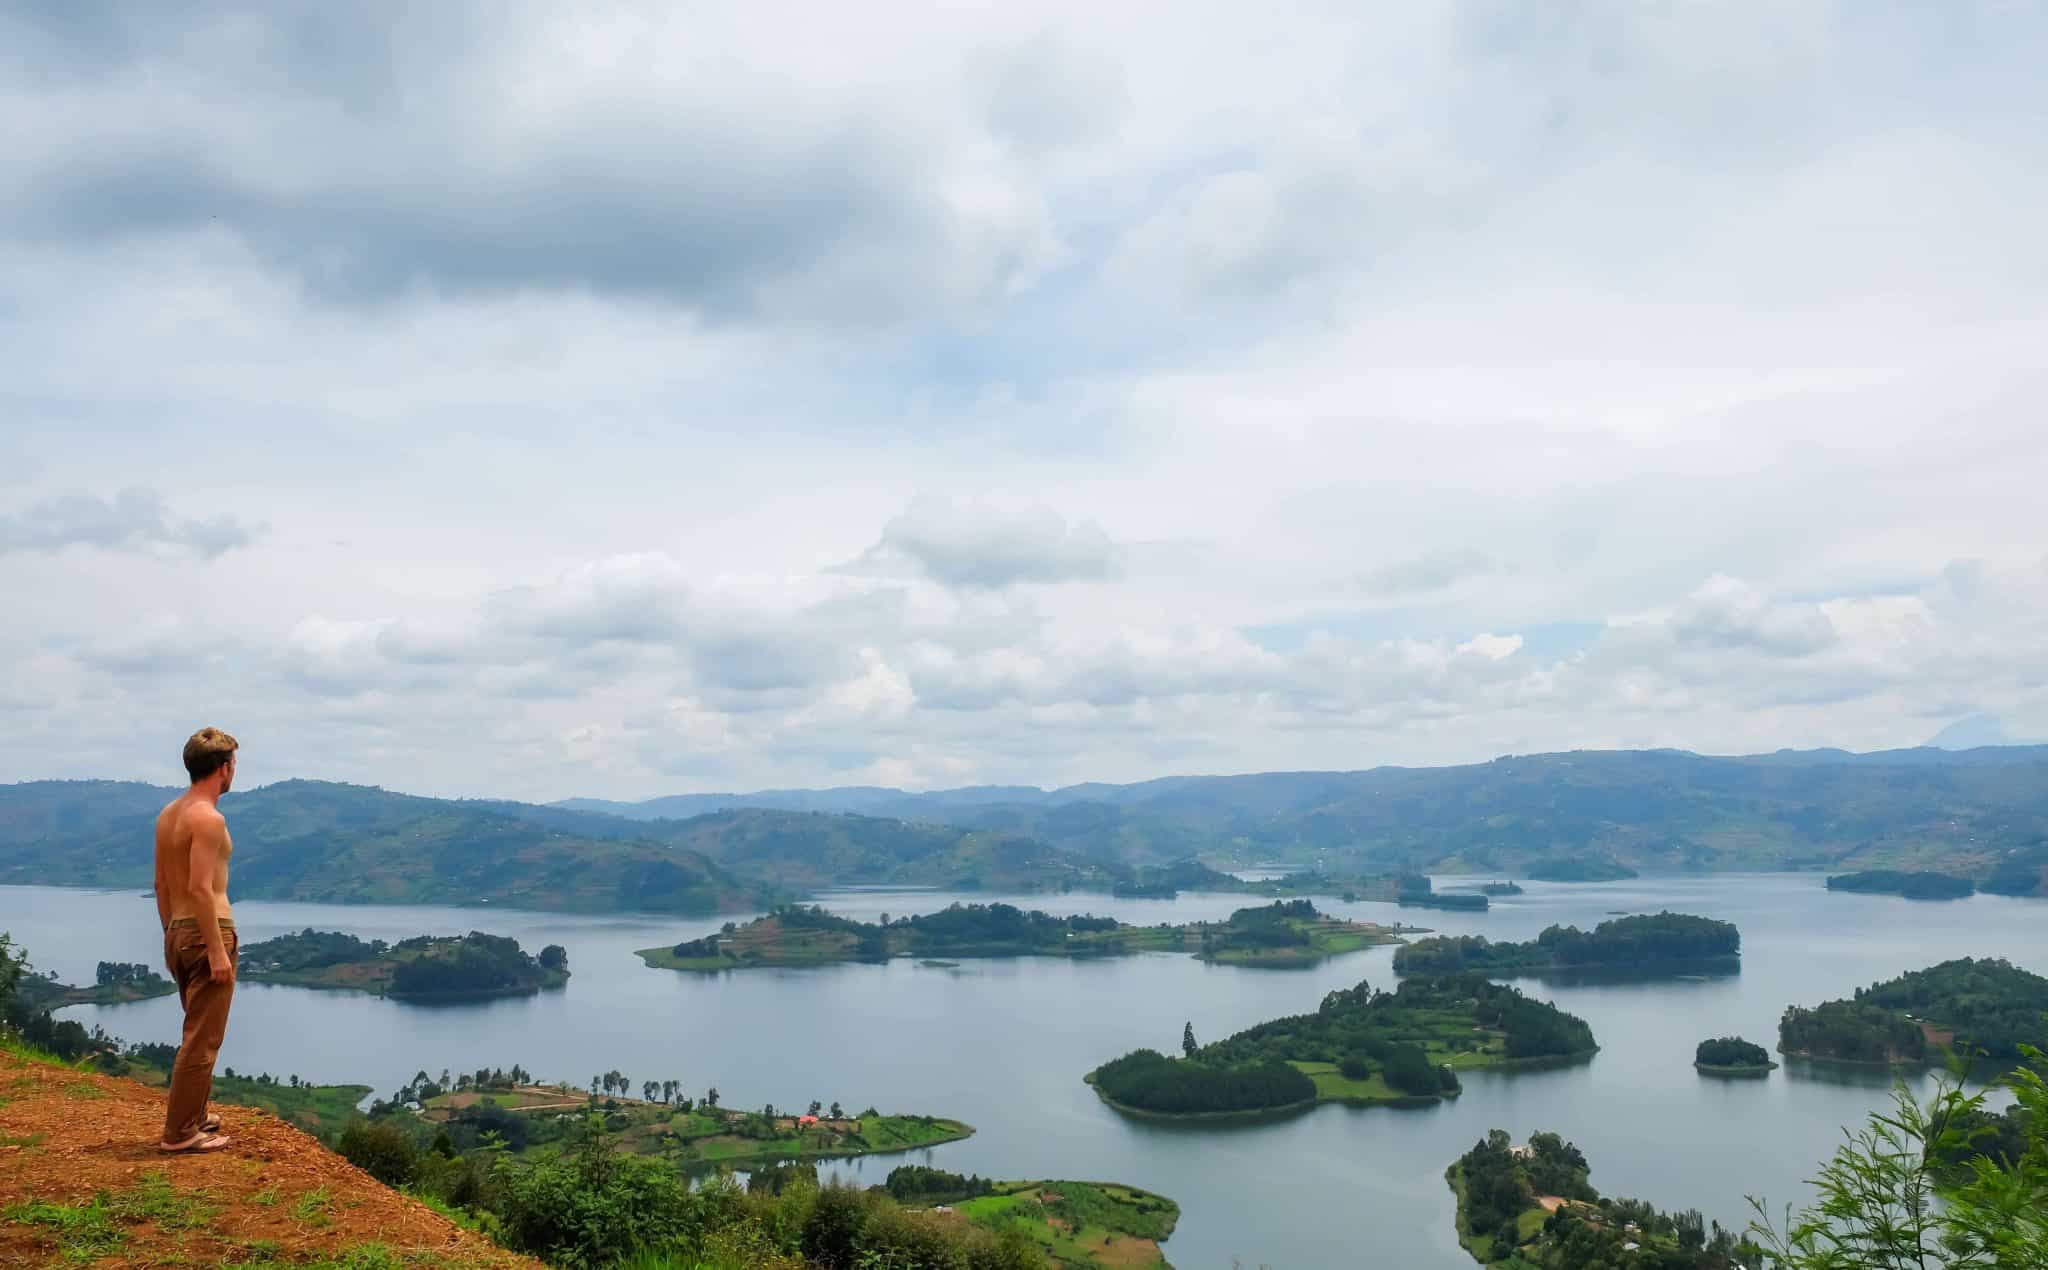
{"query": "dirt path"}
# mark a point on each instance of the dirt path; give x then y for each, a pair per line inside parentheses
(81, 1183)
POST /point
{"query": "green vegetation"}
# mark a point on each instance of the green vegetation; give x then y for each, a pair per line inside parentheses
(1914, 884)
(1733, 1056)
(1937, 1184)
(1670, 941)
(1534, 1208)
(1982, 1007)
(115, 983)
(96, 1228)
(1359, 1046)
(1289, 933)
(425, 967)
(1500, 888)
(1079, 1224)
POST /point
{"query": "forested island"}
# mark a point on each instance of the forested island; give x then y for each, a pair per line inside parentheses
(1534, 1207)
(1500, 888)
(1914, 884)
(114, 983)
(425, 967)
(1360, 1046)
(1984, 1007)
(1284, 933)
(1673, 942)
(1415, 890)
(1732, 1056)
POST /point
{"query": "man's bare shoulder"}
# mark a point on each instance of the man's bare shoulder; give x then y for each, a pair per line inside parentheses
(195, 816)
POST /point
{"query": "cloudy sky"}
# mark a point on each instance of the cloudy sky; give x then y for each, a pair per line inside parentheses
(622, 400)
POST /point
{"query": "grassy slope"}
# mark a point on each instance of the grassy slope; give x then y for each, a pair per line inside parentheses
(1081, 1223)
(81, 1184)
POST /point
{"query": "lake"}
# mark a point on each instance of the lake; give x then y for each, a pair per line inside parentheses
(1003, 1045)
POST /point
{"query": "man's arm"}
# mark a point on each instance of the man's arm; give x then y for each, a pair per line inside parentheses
(209, 857)
(163, 889)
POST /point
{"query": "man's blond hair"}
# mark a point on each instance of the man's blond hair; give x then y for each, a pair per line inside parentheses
(208, 751)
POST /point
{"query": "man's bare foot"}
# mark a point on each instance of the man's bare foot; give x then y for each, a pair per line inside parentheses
(197, 1144)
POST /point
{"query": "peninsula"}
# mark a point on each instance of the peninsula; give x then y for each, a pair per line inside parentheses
(1672, 942)
(1533, 1207)
(1977, 1006)
(1072, 1223)
(1913, 884)
(1281, 934)
(114, 983)
(426, 967)
(1360, 1046)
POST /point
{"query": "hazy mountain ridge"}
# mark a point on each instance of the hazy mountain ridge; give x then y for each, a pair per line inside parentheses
(1981, 813)
(1976, 811)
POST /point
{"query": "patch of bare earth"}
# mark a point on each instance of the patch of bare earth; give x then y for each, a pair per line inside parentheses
(275, 1195)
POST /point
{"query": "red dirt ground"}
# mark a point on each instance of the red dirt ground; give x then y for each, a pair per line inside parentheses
(67, 1135)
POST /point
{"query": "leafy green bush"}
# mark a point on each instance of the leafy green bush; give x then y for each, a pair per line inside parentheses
(381, 1149)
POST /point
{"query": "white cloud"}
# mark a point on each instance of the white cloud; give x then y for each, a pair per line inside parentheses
(1188, 391)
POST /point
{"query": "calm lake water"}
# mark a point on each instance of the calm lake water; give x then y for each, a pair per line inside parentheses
(1003, 1045)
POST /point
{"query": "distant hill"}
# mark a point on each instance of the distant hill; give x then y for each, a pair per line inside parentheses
(1980, 812)
(313, 840)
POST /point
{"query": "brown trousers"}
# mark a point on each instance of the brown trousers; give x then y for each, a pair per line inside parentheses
(206, 1023)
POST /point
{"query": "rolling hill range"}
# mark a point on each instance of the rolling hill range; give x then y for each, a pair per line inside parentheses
(1982, 813)
(1978, 813)
(311, 840)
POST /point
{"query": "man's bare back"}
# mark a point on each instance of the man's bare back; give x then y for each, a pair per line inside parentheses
(200, 944)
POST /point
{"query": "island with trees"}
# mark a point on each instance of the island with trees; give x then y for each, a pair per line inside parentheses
(1976, 1007)
(1360, 1046)
(1913, 884)
(423, 968)
(1500, 888)
(1071, 1223)
(1732, 1056)
(114, 983)
(1533, 1207)
(1284, 933)
(1415, 890)
(1660, 942)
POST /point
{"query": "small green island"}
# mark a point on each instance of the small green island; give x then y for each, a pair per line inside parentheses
(1732, 1056)
(1978, 1007)
(1533, 1207)
(1913, 884)
(1286, 933)
(114, 983)
(1074, 1224)
(1361, 1046)
(1668, 943)
(423, 968)
(1500, 888)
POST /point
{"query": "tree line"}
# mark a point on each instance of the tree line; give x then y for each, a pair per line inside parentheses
(1623, 941)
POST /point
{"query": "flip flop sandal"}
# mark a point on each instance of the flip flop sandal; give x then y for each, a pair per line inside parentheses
(198, 1144)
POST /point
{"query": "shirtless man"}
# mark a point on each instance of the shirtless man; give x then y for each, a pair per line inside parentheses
(192, 849)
